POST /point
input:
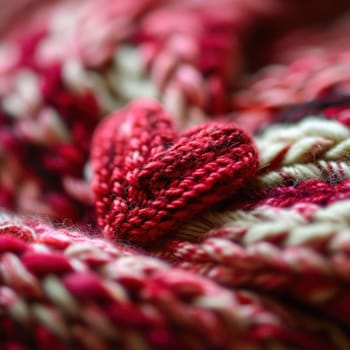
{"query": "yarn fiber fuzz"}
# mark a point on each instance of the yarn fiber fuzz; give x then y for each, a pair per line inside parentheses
(175, 175)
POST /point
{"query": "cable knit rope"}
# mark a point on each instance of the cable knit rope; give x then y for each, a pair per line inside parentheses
(333, 172)
(302, 252)
(310, 140)
(146, 179)
(312, 149)
(305, 215)
(61, 289)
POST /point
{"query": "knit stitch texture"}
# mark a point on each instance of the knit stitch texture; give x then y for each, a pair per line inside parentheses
(174, 174)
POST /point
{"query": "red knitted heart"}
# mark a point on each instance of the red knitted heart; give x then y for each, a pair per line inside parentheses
(147, 180)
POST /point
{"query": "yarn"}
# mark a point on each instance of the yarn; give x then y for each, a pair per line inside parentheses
(301, 251)
(60, 74)
(147, 180)
(309, 191)
(307, 80)
(174, 175)
(49, 275)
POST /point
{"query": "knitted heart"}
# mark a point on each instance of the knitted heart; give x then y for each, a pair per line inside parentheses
(147, 180)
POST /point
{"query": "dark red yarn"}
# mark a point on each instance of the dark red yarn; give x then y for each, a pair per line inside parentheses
(105, 285)
(147, 180)
(312, 191)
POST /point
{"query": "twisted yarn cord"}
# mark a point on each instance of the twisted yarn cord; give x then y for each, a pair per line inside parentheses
(302, 251)
(49, 275)
(323, 142)
(309, 140)
(307, 213)
(291, 149)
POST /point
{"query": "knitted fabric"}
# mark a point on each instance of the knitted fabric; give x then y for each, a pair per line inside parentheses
(147, 181)
(174, 175)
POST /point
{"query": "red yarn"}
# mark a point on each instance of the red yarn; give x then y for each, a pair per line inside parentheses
(231, 249)
(45, 161)
(64, 290)
(294, 272)
(147, 180)
(311, 191)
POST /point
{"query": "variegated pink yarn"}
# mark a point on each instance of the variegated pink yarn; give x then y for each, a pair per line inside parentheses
(174, 174)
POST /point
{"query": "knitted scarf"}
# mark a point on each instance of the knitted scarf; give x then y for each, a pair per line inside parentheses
(174, 174)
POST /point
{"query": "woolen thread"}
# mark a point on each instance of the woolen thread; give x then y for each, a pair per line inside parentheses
(174, 175)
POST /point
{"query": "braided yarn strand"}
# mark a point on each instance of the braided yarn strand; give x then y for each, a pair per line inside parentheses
(302, 251)
(131, 301)
(314, 148)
